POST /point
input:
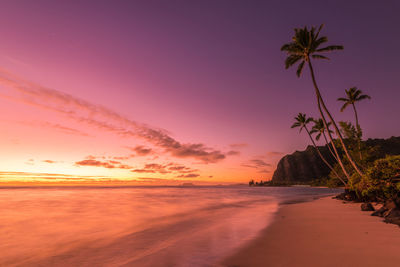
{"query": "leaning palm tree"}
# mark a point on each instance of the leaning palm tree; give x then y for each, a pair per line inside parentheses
(301, 121)
(305, 45)
(320, 129)
(354, 95)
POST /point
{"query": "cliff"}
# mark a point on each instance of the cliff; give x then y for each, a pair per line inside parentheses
(304, 166)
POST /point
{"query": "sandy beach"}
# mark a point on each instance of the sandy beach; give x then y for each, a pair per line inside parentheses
(324, 232)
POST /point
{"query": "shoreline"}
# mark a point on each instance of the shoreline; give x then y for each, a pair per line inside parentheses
(322, 232)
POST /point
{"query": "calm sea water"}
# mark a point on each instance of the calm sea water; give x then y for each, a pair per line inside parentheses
(135, 226)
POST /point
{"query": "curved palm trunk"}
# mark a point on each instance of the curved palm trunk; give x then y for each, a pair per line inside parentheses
(339, 160)
(321, 101)
(326, 124)
(358, 128)
(323, 159)
(329, 146)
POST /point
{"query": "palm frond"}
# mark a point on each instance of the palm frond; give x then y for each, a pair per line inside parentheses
(296, 124)
(318, 42)
(342, 99)
(319, 30)
(313, 131)
(344, 106)
(291, 60)
(291, 47)
(362, 97)
(356, 93)
(320, 57)
(330, 48)
(300, 68)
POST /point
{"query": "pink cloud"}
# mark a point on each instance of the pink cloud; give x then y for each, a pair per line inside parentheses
(190, 175)
(239, 145)
(49, 161)
(111, 164)
(94, 163)
(233, 153)
(142, 151)
(102, 118)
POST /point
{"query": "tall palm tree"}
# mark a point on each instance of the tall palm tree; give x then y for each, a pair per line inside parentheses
(354, 95)
(301, 121)
(320, 129)
(305, 45)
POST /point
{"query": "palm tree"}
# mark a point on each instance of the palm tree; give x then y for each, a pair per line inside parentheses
(354, 95)
(301, 121)
(305, 45)
(320, 129)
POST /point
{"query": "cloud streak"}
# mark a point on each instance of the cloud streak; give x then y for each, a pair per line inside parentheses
(260, 165)
(102, 118)
(110, 164)
(165, 168)
(142, 151)
(49, 161)
(275, 153)
(239, 145)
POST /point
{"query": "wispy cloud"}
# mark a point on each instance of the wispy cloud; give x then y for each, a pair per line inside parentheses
(239, 145)
(102, 118)
(123, 157)
(55, 126)
(259, 164)
(49, 161)
(30, 162)
(164, 169)
(190, 175)
(110, 164)
(274, 153)
(95, 163)
(142, 151)
(34, 176)
(233, 153)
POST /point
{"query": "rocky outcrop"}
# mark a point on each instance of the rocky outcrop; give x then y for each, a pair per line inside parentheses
(302, 166)
(390, 211)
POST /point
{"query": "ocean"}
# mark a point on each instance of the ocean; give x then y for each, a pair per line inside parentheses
(136, 226)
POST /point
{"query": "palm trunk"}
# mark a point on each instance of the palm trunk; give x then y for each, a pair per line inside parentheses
(319, 99)
(358, 128)
(328, 145)
(323, 159)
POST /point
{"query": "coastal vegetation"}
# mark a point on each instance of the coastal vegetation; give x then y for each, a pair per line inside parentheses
(368, 170)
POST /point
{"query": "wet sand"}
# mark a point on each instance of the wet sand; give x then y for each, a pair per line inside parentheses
(324, 232)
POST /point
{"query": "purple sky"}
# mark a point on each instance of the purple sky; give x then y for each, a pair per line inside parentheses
(209, 72)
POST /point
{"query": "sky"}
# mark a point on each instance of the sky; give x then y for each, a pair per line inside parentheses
(168, 92)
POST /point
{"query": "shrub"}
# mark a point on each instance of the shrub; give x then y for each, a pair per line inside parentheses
(379, 180)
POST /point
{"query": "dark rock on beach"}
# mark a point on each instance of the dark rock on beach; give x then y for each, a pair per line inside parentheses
(393, 216)
(390, 211)
(348, 196)
(379, 212)
(367, 207)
